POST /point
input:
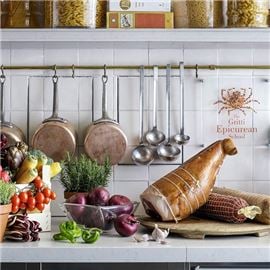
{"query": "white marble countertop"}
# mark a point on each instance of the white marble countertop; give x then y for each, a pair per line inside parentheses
(113, 248)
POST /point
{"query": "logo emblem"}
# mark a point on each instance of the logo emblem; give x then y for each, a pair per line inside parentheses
(236, 99)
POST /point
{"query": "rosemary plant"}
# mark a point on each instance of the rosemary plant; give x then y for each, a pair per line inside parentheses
(7, 190)
(81, 174)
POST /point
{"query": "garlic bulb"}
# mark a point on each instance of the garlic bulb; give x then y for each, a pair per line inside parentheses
(159, 235)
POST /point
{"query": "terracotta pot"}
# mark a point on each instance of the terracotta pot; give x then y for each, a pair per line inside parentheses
(4, 212)
(68, 194)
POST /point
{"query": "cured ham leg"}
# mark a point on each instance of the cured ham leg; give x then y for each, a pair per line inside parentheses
(181, 192)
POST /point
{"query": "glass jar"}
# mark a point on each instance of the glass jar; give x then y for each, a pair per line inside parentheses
(16, 14)
(205, 13)
(41, 13)
(101, 10)
(26, 13)
(75, 13)
(247, 13)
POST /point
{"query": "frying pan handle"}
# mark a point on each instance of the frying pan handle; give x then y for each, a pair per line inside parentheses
(104, 97)
(2, 82)
(55, 97)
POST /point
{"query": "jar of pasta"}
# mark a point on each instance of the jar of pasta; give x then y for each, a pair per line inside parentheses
(247, 13)
(205, 13)
(75, 13)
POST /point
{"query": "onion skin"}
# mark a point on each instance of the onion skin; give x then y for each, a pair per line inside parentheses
(76, 211)
(126, 225)
(119, 200)
(98, 196)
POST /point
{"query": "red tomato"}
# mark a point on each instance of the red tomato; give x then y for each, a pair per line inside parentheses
(31, 202)
(40, 197)
(15, 209)
(23, 196)
(53, 195)
(15, 200)
(40, 206)
(47, 200)
(22, 206)
(30, 193)
(31, 208)
(38, 182)
(47, 192)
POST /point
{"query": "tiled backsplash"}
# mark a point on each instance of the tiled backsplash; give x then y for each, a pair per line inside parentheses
(249, 170)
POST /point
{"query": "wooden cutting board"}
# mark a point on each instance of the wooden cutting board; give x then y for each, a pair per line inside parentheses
(197, 228)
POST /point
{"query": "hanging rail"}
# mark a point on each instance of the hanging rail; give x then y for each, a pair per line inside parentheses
(195, 67)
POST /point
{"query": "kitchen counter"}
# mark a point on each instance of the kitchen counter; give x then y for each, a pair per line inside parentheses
(112, 248)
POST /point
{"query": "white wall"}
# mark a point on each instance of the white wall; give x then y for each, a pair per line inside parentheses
(249, 170)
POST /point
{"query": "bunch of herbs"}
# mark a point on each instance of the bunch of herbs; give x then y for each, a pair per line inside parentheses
(81, 174)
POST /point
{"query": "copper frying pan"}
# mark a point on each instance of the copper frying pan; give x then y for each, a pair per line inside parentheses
(12, 132)
(55, 136)
(104, 137)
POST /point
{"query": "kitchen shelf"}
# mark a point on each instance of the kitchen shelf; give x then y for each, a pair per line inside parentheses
(148, 37)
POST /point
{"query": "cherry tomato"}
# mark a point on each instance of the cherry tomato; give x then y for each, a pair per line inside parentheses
(47, 192)
(30, 193)
(31, 202)
(15, 209)
(31, 208)
(47, 200)
(22, 206)
(40, 206)
(38, 182)
(23, 196)
(40, 197)
(15, 200)
(53, 195)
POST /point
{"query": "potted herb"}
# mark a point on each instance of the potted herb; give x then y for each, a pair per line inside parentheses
(7, 190)
(81, 174)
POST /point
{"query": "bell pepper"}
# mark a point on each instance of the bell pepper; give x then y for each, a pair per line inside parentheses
(91, 236)
(70, 230)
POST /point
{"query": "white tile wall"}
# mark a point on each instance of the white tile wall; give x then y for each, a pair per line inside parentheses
(249, 170)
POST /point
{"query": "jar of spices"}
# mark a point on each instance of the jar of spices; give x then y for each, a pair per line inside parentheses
(75, 13)
(101, 11)
(41, 13)
(26, 13)
(205, 13)
(247, 13)
(15, 14)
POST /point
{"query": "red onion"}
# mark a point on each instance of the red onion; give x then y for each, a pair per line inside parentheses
(126, 225)
(98, 196)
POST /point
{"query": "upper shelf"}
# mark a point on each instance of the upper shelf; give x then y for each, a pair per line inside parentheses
(137, 35)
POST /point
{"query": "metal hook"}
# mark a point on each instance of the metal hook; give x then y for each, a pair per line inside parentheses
(2, 70)
(104, 76)
(197, 73)
(2, 77)
(54, 68)
(55, 77)
(73, 71)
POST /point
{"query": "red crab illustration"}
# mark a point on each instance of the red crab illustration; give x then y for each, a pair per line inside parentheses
(233, 99)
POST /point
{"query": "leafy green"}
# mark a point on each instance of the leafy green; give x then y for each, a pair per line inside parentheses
(7, 190)
(81, 174)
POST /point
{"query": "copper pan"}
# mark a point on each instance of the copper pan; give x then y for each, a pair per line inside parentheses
(55, 136)
(104, 137)
(12, 132)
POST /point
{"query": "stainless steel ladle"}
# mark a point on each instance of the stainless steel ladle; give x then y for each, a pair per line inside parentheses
(182, 138)
(167, 151)
(155, 136)
(142, 154)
